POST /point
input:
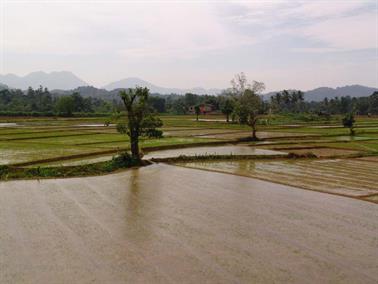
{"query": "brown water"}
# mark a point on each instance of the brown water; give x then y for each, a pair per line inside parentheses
(211, 150)
(351, 177)
(167, 224)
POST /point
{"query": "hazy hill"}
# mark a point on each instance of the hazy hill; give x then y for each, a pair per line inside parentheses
(55, 80)
(132, 82)
(3, 86)
(321, 93)
(65, 82)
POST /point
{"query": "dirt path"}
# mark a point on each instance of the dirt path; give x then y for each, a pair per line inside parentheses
(167, 224)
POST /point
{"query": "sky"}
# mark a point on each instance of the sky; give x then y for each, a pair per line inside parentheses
(184, 44)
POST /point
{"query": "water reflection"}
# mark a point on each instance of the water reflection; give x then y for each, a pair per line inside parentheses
(142, 203)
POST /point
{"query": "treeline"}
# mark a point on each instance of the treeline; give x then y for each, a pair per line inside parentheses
(284, 102)
(41, 102)
(293, 102)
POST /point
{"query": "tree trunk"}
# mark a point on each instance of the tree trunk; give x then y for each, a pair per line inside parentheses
(351, 131)
(228, 117)
(254, 130)
(254, 137)
(197, 117)
(134, 145)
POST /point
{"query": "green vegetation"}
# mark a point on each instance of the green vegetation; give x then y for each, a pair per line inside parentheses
(44, 141)
(123, 160)
(141, 121)
(89, 102)
(40, 102)
(348, 121)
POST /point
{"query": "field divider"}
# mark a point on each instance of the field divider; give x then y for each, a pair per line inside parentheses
(51, 136)
(68, 157)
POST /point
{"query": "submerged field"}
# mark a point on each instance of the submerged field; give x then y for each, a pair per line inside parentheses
(350, 177)
(168, 224)
(48, 142)
(220, 211)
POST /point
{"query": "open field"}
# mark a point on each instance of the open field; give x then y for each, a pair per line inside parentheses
(240, 212)
(79, 141)
(26, 140)
(167, 224)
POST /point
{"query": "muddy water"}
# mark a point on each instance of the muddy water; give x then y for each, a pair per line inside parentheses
(349, 177)
(167, 224)
(211, 150)
(77, 162)
(8, 124)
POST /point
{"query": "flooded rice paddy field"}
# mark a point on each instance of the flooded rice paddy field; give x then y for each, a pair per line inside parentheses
(168, 224)
(34, 139)
(350, 177)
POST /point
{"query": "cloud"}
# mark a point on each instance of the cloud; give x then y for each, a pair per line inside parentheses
(188, 41)
(345, 33)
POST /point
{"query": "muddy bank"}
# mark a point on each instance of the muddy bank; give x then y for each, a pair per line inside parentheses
(167, 224)
(238, 149)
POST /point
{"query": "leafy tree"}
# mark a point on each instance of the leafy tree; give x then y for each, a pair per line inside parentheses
(78, 102)
(288, 101)
(65, 105)
(141, 121)
(248, 108)
(373, 103)
(191, 99)
(197, 110)
(157, 104)
(348, 121)
(248, 104)
(178, 106)
(227, 107)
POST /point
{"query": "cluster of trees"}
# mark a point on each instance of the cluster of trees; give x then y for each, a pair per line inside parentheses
(343, 105)
(288, 101)
(41, 102)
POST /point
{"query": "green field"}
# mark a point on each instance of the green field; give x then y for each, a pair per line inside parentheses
(43, 147)
(36, 139)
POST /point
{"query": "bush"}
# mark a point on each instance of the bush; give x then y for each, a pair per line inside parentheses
(4, 170)
(123, 160)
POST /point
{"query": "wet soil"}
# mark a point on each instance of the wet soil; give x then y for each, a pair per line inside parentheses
(321, 152)
(167, 224)
(211, 150)
(349, 177)
(260, 135)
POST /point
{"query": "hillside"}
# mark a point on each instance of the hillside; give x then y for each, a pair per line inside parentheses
(321, 93)
(55, 80)
(133, 82)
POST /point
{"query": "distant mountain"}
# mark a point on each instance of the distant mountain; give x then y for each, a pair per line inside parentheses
(55, 80)
(133, 82)
(65, 82)
(3, 86)
(321, 93)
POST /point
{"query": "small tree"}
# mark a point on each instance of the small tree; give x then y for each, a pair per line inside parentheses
(65, 105)
(197, 110)
(227, 107)
(248, 108)
(348, 121)
(248, 104)
(140, 119)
